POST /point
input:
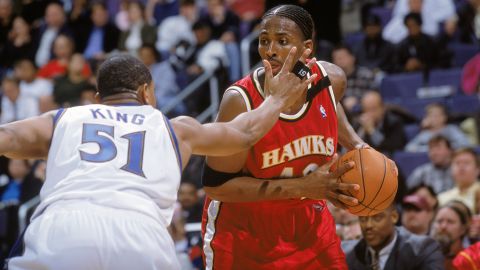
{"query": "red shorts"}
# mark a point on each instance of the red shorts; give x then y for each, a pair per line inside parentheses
(289, 234)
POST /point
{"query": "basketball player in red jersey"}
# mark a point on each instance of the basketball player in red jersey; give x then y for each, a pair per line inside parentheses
(254, 220)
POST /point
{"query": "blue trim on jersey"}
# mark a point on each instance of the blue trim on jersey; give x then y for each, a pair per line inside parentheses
(57, 116)
(16, 249)
(177, 149)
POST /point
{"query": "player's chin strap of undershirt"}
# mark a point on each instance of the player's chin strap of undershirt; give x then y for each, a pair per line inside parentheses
(301, 71)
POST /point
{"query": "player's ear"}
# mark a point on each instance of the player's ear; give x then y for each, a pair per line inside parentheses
(146, 95)
(98, 99)
(308, 44)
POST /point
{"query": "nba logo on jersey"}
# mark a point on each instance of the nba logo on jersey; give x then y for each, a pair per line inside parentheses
(323, 112)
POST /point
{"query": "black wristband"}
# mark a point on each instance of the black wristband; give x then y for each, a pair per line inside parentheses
(300, 70)
(213, 178)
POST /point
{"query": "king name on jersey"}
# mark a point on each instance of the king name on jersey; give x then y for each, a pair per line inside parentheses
(304, 146)
(136, 119)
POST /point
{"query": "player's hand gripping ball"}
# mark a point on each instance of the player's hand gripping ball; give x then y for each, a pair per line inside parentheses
(377, 177)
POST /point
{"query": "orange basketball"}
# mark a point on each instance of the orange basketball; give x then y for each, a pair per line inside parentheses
(377, 177)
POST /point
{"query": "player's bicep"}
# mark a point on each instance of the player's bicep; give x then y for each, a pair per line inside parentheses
(232, 105)
(29, 138)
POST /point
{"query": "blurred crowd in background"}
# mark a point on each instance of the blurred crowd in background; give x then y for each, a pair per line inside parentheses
(413, 71)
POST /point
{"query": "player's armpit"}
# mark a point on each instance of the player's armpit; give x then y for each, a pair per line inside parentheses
(29, 138)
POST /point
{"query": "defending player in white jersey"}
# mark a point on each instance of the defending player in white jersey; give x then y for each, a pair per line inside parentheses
(113, 169)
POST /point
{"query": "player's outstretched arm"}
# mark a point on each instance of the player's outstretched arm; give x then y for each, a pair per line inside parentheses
(29, 138)
(320, 184)
(227, 138)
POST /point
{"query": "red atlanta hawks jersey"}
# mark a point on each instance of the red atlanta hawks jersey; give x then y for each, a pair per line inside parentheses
(299, 143)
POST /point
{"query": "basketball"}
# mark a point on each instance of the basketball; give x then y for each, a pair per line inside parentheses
(377, 177)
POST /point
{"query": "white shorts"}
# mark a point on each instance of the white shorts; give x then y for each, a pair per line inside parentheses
(81, 235)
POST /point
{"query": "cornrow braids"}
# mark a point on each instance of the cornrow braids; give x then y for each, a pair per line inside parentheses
(297, 14)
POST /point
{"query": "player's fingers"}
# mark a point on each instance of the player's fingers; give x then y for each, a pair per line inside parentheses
(347, 187)
(288, 65)
(333, 198)
(329, 164)
(268, 70)
(394, 165)
(310, 80)
(343, 168)
(344, 199)
(306, 53)
(362, 146)
(311, 62)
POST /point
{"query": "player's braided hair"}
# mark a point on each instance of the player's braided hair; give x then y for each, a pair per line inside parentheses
(121, 74)
(297, 14)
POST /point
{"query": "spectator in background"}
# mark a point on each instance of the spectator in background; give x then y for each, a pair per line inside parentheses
(63, 49)
(417, 215)
(417, 51)
(139, 31)
(436, 173)
(385, 246)
(433, 123)
(374, 52)
(158, 10)
(6, 20)
(55, 24)
(14, 104)
(465, 171)
(164, 77)
(468, 26)
(177, 28)
(433, 13)
(20, 43)
(192, 204)
(379, 127)
(249, 12)
(471, 76)
(30, 84)
(427, 193)
(209, 54)
(347, 225)
(225, 26)
(359, 79)
(468, 259)
(68, 89)
(449, 229)
(18, 171)
(100, 37)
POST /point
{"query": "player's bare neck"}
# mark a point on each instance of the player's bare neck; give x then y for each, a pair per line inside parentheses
(292, 110)
(123, 98)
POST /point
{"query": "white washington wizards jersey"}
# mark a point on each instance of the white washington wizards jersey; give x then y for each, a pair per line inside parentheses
(125, 157)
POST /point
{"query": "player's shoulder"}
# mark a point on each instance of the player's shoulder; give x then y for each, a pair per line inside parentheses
(333, 71)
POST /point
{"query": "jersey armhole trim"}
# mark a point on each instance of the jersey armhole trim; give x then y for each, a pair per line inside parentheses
(57, 116)
(330, 88)
(174, 140)
(246, 97)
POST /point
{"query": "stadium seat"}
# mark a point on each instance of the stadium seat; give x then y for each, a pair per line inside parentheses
(401, 85)
(411, 130)
(463, 104)
(385, 14)
(416, 106)
(407, 162)
(442, 77)
(462, 53)
(353, 39)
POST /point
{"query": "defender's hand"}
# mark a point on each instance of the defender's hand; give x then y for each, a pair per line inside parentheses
(323, 184)
(286, 86)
